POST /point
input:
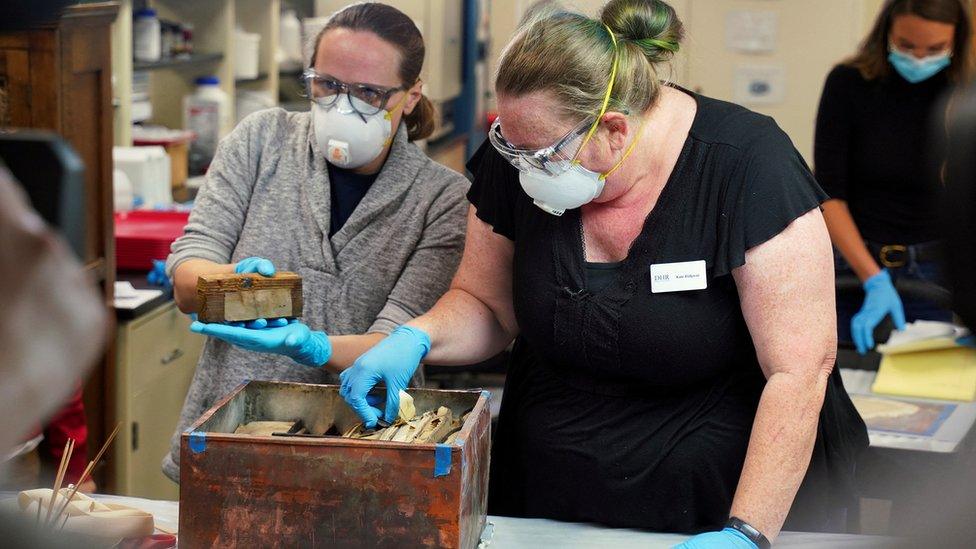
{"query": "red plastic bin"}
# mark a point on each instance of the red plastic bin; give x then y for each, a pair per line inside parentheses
(141, 236)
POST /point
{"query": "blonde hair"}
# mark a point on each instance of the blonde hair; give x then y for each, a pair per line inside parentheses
(571, 56)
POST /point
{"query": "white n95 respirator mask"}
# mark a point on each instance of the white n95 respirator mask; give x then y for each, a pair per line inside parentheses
(347, 138)
(570, 189)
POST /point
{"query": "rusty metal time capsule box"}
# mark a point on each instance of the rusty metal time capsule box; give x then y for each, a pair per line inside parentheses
(268, 466)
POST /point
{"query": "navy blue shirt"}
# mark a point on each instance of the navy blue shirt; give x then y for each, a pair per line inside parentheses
(347, 189)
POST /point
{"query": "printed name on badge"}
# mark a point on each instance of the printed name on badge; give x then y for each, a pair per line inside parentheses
(678, 277)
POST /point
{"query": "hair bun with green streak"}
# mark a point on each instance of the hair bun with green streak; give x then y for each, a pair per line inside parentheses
(651, 25)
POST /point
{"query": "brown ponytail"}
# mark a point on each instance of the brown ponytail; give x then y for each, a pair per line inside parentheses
(395, 27)
(872, 58)
(420, 121)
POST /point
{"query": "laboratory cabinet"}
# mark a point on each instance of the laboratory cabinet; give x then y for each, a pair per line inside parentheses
(156, 355)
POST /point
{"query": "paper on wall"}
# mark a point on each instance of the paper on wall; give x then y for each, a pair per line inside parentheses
(759, 84)
(751, 31)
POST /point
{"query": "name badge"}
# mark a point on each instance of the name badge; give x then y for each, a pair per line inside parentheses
(678, 277)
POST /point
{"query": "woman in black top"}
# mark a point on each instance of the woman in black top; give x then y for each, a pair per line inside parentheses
(684, 387)
(876, 113)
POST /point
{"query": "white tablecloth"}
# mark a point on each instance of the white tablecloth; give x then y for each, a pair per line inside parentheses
(515, 533)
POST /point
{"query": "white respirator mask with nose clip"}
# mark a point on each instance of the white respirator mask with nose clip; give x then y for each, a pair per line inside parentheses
(557, 183)
(350, 139)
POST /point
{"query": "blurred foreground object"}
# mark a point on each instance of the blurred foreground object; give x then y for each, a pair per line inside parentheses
(960, 207)
(55, 325)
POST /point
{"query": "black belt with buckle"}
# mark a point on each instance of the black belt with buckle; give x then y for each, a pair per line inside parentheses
(898, 255)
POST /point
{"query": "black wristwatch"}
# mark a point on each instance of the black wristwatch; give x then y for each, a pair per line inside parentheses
(748, 531)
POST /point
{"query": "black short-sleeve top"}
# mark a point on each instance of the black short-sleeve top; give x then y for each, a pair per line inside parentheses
(623, 406)
(737, 183)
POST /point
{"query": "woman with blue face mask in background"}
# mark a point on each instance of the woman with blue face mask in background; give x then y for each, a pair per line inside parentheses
(871, 155)
(339, 195)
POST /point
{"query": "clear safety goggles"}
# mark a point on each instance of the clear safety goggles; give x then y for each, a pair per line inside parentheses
(552, 160)
(366, 99)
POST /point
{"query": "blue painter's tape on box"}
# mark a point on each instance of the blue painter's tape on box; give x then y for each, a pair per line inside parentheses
(442, 460)
(198, 442)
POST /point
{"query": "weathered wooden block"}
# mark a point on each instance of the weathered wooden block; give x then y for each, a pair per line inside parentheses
(239, 490)
(242, 297)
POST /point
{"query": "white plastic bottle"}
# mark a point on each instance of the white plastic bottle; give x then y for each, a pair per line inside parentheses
(147, 33)
(206, 112)
(122, 193)
(289, 41)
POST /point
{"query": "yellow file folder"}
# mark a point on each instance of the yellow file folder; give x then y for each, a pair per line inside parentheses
(932, 368)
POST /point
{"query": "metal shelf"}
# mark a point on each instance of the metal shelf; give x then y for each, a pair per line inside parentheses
(260, 77)
(178, 62)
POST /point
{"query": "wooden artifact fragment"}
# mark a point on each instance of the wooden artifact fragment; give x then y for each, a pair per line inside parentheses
(433, 426)
(402, 433)
(387, 434)
(438, 427)
(407, 409)
(263, 428)
(409, 431)
(360, 432)
(243, 297)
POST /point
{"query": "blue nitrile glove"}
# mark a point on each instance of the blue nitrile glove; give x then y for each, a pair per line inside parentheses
(282, 337)
(253, 324)
(255, 265)
(727, 538)
(966, 341)
(880, 300)
(157, 276)
(392, 361)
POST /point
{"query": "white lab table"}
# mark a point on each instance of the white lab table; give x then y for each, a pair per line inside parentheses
(515, 533)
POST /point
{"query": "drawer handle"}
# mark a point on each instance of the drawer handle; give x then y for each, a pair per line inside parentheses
(176, 354)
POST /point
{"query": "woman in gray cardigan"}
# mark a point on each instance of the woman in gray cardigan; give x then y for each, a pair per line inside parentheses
(376, 232)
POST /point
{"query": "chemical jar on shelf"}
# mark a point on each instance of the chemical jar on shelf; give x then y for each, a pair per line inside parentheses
(246, 54)
(146, 32)
(206, 112)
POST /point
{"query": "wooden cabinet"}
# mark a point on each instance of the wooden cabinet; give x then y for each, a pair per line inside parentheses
(58, 77)
(156, 357)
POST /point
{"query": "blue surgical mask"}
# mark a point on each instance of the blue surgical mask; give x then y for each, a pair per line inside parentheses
(916, 70)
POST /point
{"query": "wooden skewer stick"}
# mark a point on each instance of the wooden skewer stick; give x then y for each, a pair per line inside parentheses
(62, 466)
(64, 472)
(87, 473)
(59, 478)
(101, 452)
(71, 494)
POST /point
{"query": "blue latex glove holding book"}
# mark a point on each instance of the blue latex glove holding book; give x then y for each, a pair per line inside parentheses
(291, 338)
